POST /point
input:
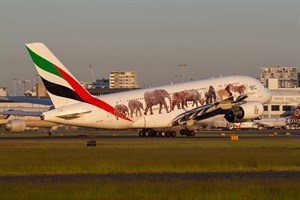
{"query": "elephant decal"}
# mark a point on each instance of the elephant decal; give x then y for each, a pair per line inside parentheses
(178, 99)
(156, 97)
(210, 95)
(135, 106)
(121, 110)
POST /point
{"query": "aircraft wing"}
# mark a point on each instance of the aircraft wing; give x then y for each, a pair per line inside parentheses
(266, 124)
(209, 110)
(272, 122)
(70, 115)
(41, 101)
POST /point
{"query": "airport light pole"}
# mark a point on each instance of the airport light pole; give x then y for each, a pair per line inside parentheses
(15, 79)
(182, 74)
(37, 92)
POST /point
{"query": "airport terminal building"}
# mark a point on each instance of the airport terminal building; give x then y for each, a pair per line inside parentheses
(283, 83)
(283, 102)
(279, 77)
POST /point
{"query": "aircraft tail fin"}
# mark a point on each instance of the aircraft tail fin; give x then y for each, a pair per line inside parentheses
(61, 85)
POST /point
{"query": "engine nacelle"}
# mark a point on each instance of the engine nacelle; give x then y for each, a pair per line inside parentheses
(250, 110)
(15, 125)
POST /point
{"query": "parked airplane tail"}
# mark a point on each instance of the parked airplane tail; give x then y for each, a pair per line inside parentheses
(296, 113)
(61, 85)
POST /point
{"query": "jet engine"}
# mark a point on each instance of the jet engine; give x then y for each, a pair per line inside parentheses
(15, 125)
(250, 110)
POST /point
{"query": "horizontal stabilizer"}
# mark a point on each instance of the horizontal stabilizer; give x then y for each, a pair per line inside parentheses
(73, 115)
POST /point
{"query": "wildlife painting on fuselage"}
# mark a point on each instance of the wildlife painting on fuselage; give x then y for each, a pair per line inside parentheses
(160, 99)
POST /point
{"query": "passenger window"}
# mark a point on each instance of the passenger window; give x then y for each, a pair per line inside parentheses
(275, 108)
(286, 108)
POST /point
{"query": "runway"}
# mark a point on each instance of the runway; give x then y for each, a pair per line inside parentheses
(154, 176)
(133, 135)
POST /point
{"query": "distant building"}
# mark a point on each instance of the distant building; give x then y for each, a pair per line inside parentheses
(282, 103)
(41, 90)
(101, 83)
(123, 79)
(279, 77)
(3, 91)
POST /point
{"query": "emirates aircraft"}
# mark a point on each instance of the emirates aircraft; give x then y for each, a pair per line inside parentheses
(155, 111)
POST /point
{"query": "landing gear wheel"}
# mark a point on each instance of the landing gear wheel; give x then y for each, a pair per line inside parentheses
(168, 133)
(187, 132)
(192, 133)
(141, 133)
(153, 133)
(173, 133)
(146, 133)
(162, 134)
(182, 131)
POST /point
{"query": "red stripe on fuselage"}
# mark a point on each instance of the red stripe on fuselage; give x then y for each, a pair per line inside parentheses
(87, 97)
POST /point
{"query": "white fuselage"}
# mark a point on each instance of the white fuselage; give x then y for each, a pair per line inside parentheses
(272, 122)
(92, 116)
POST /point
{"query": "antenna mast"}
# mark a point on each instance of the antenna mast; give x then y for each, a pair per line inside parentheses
(91, 73)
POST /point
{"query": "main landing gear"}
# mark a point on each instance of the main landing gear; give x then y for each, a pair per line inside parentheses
(187, 132)
(163, 133)
(155, 133)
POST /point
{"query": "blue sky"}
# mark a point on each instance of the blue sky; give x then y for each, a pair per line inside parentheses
(151, 37)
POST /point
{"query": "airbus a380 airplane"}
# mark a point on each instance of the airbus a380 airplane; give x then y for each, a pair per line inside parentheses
(153, 110)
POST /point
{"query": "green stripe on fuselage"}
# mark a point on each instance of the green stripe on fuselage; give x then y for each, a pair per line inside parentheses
(43, 63)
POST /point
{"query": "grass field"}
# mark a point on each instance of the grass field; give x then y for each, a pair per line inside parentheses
(147, 155)
(218, 188)
(150, 155)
